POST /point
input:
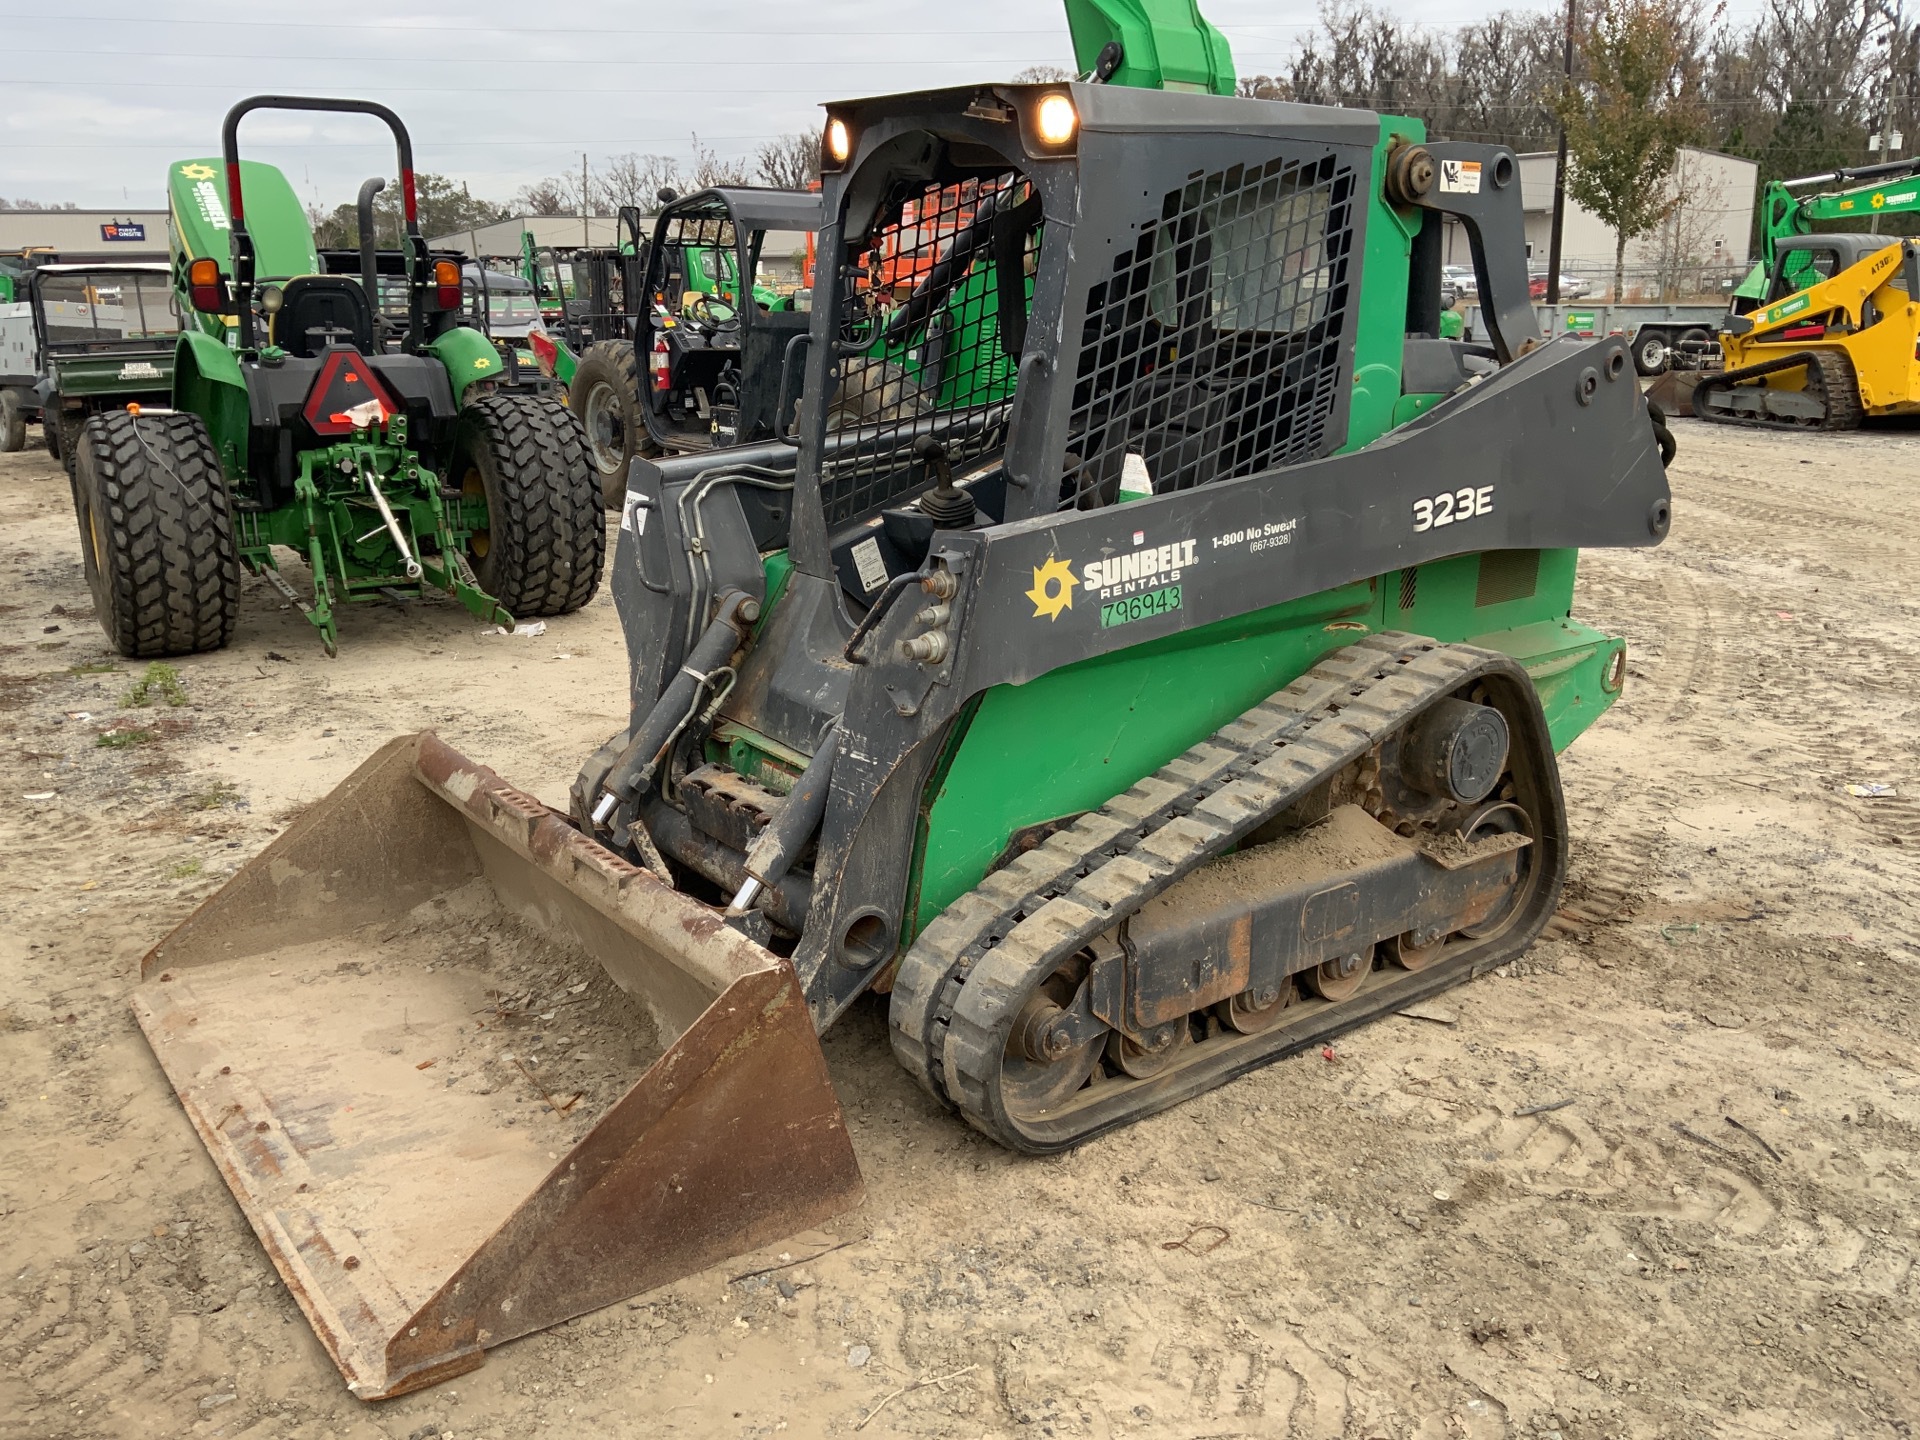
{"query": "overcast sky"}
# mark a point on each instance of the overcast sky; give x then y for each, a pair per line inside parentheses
(97, 96)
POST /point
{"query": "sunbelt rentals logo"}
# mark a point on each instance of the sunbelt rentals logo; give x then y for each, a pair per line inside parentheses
(206, 195)
(1052, 589)
(1789, 307)
(1138, 571)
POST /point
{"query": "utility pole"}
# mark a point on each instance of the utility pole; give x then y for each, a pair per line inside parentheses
(1560, 185)
(586, 225)
(1890, 97)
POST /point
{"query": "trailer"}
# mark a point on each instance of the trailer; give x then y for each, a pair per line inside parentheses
(1658, 336)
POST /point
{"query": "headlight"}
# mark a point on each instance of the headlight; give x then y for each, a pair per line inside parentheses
(839, 141)
(1054, 121)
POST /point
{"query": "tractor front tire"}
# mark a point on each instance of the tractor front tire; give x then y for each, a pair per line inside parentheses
(13, 423)
(605, 394)
(156, 533)
(546, 534)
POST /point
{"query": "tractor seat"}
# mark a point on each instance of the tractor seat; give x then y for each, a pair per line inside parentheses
(321, 310)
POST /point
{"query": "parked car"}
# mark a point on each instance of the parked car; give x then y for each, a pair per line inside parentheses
(1572, 287)
(1461, 278)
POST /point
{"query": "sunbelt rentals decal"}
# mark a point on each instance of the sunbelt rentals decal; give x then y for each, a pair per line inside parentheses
(1789, 307)
(206, 195)
(1132, 585)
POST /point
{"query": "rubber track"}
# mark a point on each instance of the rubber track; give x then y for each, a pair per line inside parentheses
(171, 583)
(1839, 388)
(970, 968)
(930, 976)
(547, 543)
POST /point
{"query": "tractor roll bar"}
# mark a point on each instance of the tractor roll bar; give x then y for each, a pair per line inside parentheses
(242, 242)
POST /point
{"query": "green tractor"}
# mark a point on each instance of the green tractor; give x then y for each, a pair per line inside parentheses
(378, 449)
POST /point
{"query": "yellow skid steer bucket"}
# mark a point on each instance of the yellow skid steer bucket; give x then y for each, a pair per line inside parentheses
(470, 1074)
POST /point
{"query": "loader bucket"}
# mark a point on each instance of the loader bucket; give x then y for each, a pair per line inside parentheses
(362, 1027)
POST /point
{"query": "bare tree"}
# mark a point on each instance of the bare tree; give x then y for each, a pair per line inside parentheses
(1799, 90)
(1044, 75)
(708, 169)
(1263, 87)
(637, 180)
(1504, 69)
(1367, 58)
(1683, 241)
(1637, 100)
(545, 197)
(6, 204)
(792, 162)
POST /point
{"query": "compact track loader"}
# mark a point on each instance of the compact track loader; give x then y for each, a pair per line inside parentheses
(1167, 679)
(1838, 338)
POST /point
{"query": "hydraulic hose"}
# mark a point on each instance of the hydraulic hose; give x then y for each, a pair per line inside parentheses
(632, 773)
(776, 848)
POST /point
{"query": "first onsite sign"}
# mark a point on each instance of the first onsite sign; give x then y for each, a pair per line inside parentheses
(123, 230)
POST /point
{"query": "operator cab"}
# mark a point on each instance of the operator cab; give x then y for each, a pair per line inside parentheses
(721, 311)
(1806, 260)
(1206, 301)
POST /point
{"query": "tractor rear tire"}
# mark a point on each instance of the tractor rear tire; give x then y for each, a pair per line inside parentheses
(605, 394)
(156, 533)
(546, 532)
(13, 423)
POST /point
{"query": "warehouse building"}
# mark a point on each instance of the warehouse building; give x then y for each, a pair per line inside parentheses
(84, 235)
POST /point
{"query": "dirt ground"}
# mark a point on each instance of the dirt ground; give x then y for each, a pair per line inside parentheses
(1384, 1244)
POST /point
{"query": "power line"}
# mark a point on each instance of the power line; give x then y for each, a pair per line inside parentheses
(461, 27)
(227, 85)
(570, 61)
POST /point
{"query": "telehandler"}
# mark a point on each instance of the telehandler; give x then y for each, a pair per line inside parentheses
(1175, 688)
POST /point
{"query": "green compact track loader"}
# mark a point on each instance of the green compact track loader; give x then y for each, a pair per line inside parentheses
(376, 448)
(1170, 679)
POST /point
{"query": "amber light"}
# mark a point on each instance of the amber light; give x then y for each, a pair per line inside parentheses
(205, 289)
(446, 284)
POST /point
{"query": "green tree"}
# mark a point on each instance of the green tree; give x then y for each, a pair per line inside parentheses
(445, 206)
(1635, 100)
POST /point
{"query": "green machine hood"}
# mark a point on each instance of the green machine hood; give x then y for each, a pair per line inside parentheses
(197, 199)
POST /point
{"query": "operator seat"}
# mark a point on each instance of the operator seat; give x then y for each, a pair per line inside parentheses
(321, 310)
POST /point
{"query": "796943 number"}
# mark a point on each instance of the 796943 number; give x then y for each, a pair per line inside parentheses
(1452, 507)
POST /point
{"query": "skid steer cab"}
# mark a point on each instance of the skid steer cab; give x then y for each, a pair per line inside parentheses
(1151, 662)
(347, 418)
(713, 354)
